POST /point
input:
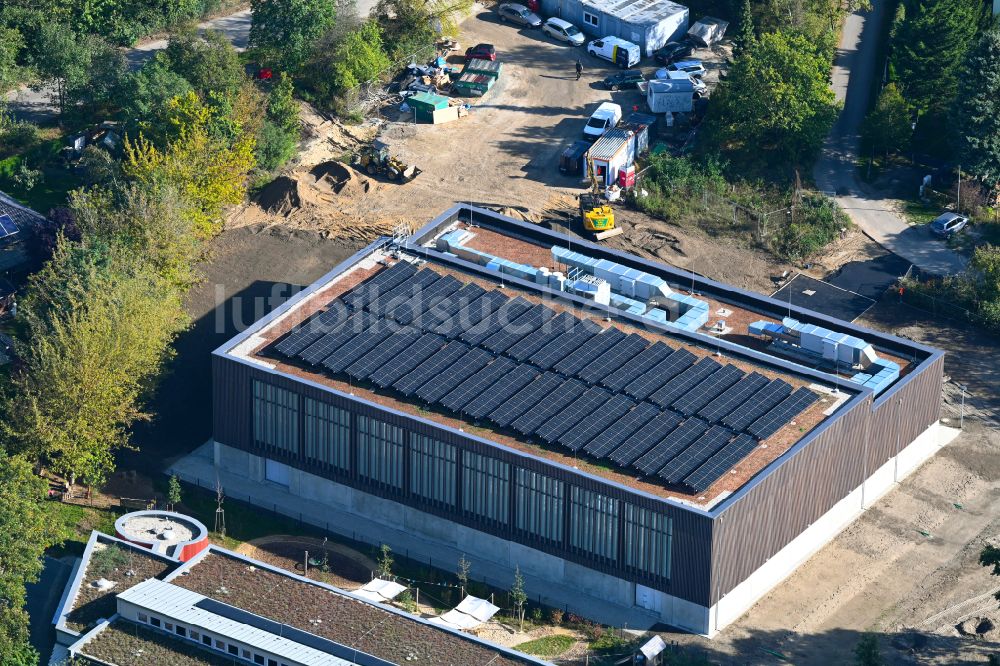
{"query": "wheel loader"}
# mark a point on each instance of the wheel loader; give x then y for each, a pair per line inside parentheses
(376, 161)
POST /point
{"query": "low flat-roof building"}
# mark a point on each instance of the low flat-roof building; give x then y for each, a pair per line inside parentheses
(659, 443)
(648, 23)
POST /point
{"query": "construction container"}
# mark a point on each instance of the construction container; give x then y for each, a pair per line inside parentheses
(471, 84)
(644, 125)
(425, 104)
(611, 153)
(571, 161)
(489, 68)
(626, 177)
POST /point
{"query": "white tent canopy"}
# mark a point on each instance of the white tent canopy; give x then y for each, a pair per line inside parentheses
(708, 30)
(653, 647)
(380, 591)
(469, 614)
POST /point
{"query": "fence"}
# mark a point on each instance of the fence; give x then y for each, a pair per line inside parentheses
(920, 300)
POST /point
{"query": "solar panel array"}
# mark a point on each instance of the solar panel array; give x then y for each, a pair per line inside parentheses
(549, 375)
(7, 226)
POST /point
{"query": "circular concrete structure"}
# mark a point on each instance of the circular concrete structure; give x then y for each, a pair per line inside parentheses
(165, 532)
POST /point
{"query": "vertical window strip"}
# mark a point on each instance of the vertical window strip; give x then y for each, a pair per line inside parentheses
(327, 434)
(276, 417)
(594, 523)
(380, 452)
(486, 487)
(648, 541)
(540, 505)
(433, 469)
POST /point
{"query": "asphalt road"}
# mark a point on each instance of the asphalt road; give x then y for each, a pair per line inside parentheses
(854, 72)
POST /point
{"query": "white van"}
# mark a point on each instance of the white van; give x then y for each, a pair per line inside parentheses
(617, 50)
(607, 116)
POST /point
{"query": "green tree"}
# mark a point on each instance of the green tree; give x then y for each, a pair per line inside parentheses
(747, 33)
(462, 573)
(887, 128)
(208, 61)
(279, 134)
(173, 492)
(147, 92)
(412, 26)
(11, 43)
(25, 533)
(929, 47)
(776, 101)
(337, 69)
(97, 330)
(866, 652)
(385, 561)
(979, 111)
(284, 32)
(282, 109)
(518, 595)
(63, 59)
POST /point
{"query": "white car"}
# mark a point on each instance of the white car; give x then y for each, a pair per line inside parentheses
(607, 116)
(692, 67)
(620, 52)
(564, 31)
(664, 73)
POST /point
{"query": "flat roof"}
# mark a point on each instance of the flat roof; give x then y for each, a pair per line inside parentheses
(124, 643)
(637, 11)
(414, 329)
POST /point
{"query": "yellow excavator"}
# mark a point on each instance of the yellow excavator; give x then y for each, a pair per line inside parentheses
(377, 161)
(597, 215)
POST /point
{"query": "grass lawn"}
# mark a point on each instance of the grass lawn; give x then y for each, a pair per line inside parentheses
(56, 182)
(547, 646)
(917, 213)
(75, 524)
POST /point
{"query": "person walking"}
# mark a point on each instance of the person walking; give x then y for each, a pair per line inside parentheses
(579, 70)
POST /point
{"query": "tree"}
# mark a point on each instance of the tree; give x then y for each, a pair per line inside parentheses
(866, 652)
(747, 33)
(97, 330)
(887, 127)
(385, 561)
(208, 61)
(279, 134)
(147, 92)
(776, 101)
(173, 492)
(11, 43)
(25, 533)
(929, 46)
(338, 68)
(462, 574)
(518, 595)
(63, 58)
(282, 109)
(979, 111)
(284, 32)
(411, 26)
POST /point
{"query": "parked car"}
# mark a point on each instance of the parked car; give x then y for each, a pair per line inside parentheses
(692, 67)
(700, 88)
(515, 13)
(622, 53)
(672, 51)
(630, 78)
(563, 31)
(607, 116)
(948, 224)
(480, 52)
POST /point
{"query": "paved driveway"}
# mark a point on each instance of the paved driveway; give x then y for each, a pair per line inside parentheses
(854, 72)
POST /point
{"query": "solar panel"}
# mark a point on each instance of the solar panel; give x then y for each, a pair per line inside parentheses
(616, 434)
(582, 356)
(472, 314)
(720, 462)
(477, 384)
(684, 382)
(436, 363)
(696, 453)
(551, 329)
(733, 397)
(548, 405)
(563, 345)
(403, 295)
(332, 341)
(595, 423)
(359, 345)
(517, 329)
(449, 306)
(395, 345)
(385, 279)
(470, 363)
(426, 299)
(758, 404)
(645, 438)
(592, 400)
(415, 354)
(7, 226)
(782, 413)
(614, 358)
(642, 386)
(708, 390)
(318, 326)
(678, 440)
(525, 399)
(497, 320)
(636, 366)
(505, 388)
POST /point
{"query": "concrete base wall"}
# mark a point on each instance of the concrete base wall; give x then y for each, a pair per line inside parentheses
(789, 558)
(426, 537)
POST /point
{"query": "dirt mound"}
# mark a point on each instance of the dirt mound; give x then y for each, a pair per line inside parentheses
(337, 178)
(281, 196)
(975, 626)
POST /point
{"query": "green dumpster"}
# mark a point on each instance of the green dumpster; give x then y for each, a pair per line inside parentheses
(489, 68)
(471, 84)
(425, 104)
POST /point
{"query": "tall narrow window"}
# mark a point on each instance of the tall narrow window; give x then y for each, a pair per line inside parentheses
(486, 487)
(380, 452)
(540, 505)
(327, 433)
(648, 537)
(593, 526)
(275, 418)
(433, 470)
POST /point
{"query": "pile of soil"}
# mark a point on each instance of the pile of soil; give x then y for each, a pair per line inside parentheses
(281, 197)
(337, 178)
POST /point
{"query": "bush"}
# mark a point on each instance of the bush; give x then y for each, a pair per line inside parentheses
(275, 146)
(817, 221)
(555, 616)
